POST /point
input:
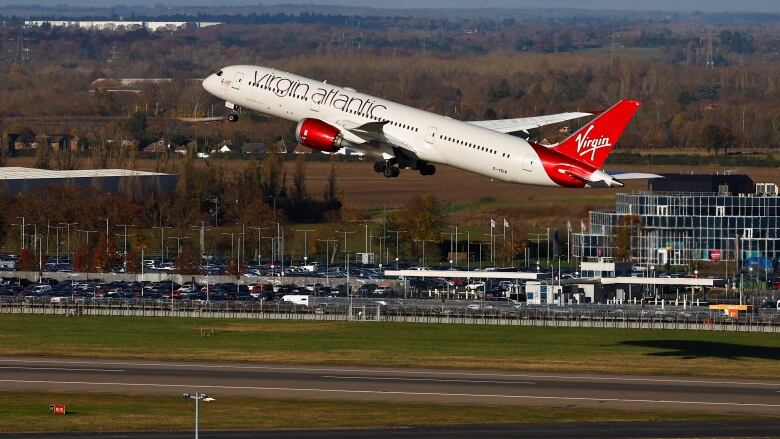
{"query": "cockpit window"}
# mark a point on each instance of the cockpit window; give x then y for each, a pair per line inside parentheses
(219, 73)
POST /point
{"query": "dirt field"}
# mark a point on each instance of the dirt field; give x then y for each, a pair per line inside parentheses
(475, 198)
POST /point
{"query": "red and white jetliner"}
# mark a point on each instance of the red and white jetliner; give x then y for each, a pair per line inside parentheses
(332, 119)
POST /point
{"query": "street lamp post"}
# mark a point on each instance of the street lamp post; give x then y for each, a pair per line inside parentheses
(327, 256)
(397, 233)
(197, 397)
(87, 232)
(305, 243)
(423, 248)
(107, 238)
(258, 241)
(162, 239)
(125, 235)
(67, 225)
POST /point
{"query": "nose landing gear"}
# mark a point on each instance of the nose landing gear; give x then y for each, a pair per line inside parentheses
(235, 112)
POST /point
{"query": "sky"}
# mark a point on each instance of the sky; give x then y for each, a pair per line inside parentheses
(664, 5)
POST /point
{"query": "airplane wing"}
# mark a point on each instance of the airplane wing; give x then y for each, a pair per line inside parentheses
(370, 139)
(632, 175)
(527, 123)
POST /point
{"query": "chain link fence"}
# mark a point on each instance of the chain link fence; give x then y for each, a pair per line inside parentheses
(414, 311)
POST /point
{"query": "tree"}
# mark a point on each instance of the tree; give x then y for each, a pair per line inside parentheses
(187, 263)
(137, 125)
(104, 255)
(231, 269)
(270, 174)
(133, 261)
(27, 260)
(499, 91)
(298, 195)
(628, 225)
(330, 197)
(82, 260)
(423, 218)
(716, 137)
(43, 155)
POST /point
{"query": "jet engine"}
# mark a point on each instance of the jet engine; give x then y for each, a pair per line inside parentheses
(319, 135)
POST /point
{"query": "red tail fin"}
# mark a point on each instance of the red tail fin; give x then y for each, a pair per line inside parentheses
(593, 142)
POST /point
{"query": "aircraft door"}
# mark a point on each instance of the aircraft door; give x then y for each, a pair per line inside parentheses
(237, 80)
(431, 135)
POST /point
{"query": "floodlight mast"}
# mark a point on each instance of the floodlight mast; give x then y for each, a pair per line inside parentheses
(197, 397)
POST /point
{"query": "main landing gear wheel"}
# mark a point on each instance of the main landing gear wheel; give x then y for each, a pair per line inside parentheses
(379, 167)
(391, 172)
(427, 170)
(233, 117)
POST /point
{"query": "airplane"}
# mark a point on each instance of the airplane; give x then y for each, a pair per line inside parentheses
(396, 136)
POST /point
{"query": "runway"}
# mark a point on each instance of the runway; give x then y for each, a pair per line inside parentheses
(647, 393)
(586, 430)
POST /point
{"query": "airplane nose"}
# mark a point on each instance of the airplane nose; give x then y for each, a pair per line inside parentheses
(208, 84)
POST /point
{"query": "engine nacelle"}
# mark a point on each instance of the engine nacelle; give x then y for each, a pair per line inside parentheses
(319, 135)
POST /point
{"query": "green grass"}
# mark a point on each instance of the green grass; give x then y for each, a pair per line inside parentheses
(414, 345)
(26, 411)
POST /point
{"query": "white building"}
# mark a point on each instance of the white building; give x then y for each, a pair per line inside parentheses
(122, 25)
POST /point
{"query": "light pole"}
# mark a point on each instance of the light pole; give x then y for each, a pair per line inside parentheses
(305, 243)
(107, 238)
(327, 256)
(87, 232)
(162, 240)
(397, 232)
(67, 225)
(178, 239)
(423, 248)
(22, 229)
(125, 235)
(232, 250)
(346, 258)
(468, 251)
(366, 226)
(197, 397)
(346, 269)
(57, 237)
(258, 241)
(273, 265)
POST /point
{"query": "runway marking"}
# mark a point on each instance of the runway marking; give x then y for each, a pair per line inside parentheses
(402, 372)
(438, 380)
(391, 392)
(73, 369)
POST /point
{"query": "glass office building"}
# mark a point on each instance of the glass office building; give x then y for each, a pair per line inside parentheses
(686, 218)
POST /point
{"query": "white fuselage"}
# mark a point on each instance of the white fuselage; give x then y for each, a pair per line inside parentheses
(431, 137)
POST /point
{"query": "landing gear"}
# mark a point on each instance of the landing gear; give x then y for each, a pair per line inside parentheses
(391, 171)
(427, 169)
(235, 112)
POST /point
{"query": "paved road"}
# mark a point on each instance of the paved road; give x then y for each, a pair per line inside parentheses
(596, 430)
(387, 384)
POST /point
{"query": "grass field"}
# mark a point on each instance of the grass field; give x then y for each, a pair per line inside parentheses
(26, 411)
(413, 345)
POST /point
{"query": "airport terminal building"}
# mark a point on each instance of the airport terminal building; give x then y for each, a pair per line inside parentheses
(684, 218)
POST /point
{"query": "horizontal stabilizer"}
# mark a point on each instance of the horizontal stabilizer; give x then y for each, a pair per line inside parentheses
(633, 175)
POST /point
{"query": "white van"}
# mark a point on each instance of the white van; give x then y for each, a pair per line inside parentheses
(298, 299)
